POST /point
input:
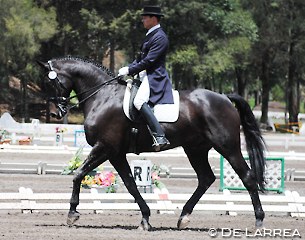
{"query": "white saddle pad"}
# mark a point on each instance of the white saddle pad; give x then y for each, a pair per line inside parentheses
(163, 112)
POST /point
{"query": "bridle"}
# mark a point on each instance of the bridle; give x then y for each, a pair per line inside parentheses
(61, 102)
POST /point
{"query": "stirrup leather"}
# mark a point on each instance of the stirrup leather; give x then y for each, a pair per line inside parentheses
(155, 145)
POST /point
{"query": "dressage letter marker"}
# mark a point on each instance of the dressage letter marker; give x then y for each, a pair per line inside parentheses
(141, 170)
(137, 174)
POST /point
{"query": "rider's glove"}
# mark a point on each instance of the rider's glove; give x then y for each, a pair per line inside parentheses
(123, 71)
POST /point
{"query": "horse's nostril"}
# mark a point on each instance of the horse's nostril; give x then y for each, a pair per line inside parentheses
(53, 115)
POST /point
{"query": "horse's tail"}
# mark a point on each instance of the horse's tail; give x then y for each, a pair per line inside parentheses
(254, 140)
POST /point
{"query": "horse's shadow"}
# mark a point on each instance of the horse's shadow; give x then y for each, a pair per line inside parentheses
(124, 227)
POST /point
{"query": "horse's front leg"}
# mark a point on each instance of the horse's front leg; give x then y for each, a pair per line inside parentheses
(96, 157)
(122, 167)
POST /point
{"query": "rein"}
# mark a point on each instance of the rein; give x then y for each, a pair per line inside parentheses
(99, 87)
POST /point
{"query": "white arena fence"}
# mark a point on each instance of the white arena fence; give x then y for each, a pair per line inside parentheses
(176, 152)
(42, 168)
(26, 201)
(274, 140)
(291, 174)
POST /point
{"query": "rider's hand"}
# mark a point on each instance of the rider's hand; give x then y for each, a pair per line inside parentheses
(123, 71)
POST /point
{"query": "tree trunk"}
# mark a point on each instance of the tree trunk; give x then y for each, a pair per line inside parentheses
(48, 112)
(111, 56)
(257, 97)
(292, 88)
(24, 103)
(265, 86)
(241, 81)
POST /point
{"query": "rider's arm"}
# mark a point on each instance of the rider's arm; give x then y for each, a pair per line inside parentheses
(158, 48)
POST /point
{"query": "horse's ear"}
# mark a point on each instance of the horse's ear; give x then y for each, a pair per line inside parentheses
(42, 64)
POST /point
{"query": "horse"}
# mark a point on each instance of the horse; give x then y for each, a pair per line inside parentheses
(206, 120)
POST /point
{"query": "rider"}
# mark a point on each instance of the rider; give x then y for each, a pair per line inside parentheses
(156, 87)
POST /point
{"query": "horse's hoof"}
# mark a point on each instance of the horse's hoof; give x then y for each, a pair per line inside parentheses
(183, 222)
(72, 217)
(145, 226)
(259, 223)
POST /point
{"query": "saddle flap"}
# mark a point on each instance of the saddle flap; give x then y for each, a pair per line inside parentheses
(168, 112)
(163, 112)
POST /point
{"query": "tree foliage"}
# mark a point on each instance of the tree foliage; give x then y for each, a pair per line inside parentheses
(277, 56)
(24, 27)
(250, 47)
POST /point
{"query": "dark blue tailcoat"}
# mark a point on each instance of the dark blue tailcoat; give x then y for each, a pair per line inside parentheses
(152, 59)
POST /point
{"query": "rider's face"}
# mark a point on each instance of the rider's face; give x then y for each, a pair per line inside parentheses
(149, 21)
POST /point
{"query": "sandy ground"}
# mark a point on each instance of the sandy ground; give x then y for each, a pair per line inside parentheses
(124, 225)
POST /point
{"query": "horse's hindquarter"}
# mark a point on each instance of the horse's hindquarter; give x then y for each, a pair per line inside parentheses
(210, 115)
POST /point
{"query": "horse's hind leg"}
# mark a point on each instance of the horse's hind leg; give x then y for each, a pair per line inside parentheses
(199, 161)
(96, 157)
(121, 165)
(247, 177)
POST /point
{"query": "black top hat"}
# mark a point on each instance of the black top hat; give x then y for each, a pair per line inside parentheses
(152, 10)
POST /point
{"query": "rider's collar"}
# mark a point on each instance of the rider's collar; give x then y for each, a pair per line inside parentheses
(153, 28)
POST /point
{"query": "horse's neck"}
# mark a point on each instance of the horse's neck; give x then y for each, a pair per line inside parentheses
(87, 84)
(87, 87)
(106, 95)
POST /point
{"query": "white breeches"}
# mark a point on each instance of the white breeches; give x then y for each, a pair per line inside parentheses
(143, 93)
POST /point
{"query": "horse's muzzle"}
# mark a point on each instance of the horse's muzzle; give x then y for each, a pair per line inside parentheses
(61, 106)
(59, 114)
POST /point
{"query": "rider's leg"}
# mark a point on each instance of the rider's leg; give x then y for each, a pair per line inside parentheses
(156, 130)
(140, 102)
(143, 93)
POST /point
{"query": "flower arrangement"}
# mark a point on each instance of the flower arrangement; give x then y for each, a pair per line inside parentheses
(104, 179)
(61, 129)
(3, 133)
(25, 141)
(155, 176)
(4, 136)
(107, 179)
(74, 162)
(96, 178)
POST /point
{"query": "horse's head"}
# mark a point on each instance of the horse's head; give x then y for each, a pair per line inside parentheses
(85, 77)
(59, 86)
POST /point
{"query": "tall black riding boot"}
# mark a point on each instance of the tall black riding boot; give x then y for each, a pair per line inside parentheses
(155, 128)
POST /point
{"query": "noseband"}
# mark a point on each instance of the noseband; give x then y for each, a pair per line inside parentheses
(61, 102)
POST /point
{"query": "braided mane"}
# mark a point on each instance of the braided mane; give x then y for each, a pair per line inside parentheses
(86, 60)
